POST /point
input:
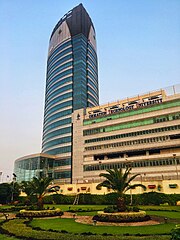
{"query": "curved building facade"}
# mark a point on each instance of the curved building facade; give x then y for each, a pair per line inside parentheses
(34, 165)
(71, 83)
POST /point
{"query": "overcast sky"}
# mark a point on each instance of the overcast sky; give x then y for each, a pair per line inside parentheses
(138, 51)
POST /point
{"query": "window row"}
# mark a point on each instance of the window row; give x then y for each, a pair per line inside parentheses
(58, 99)
(92, 62)
(57, 124)
(91, 75)
(59, 69)
(59, 175)
(59, 56)
(60, 61)
(129, 143)
(90, 47)
(58, 77)
(58, 49)
(58, 115)
(90, 55)
(93, 99)
(62, 162)
(94, 71)
(58, 107)
(122, 114)
(92, 50)
(134, 134)
(92, 91)
(58, 91)
(59, 150)
(148, 163)
(93, 83)
(56, 133)
(58, 84)
(137, 123)
(57, 142)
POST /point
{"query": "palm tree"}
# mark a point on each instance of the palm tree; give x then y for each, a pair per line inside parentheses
(120, 182)
(38, 187)
(28, 190)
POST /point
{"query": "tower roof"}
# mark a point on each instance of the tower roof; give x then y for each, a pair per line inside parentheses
(78, 21)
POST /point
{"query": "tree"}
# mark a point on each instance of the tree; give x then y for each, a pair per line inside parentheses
(120, 182)
(9, 192)
(15, 191)
(38, 187)
(27, 188)
(5, 193)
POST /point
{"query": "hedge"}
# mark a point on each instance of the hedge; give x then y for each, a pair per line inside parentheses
(150, 198)
(121, 217)
(41, 213)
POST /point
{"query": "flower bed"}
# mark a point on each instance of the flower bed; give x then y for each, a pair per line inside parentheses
(39, 213)
(121, 217)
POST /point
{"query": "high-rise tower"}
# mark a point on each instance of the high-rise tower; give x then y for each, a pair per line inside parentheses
(71, 83)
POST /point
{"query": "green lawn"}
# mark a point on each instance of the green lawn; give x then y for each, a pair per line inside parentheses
(5, 237)
(166, 214)
(18, 227)
(73, 227)
(165, 208)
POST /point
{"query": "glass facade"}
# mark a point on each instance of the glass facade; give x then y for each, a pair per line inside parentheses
(33, 166)
(71, 82)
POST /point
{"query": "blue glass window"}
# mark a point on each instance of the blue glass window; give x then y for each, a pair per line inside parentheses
(57, 124)
(58, 107)
(59, 150)
(58, 115)
(57, 142)
(57, 132)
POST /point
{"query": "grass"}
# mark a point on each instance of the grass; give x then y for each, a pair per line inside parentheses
(161, 208)
(5, 237)
(73, 227)
(5, 206)
(19, 228)
(166, 214)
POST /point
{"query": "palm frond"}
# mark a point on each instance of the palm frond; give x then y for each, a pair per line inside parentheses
(134, 186)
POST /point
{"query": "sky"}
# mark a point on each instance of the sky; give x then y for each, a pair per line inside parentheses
(138, 47)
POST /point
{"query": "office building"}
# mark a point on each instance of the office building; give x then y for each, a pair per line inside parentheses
(81, 138)
(71, 83)
(142, 132)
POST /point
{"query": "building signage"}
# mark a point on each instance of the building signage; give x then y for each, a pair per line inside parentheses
(125, 108)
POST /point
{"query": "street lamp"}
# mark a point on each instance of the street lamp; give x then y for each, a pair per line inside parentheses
(129, 164)
(13, 182)
(175, 163)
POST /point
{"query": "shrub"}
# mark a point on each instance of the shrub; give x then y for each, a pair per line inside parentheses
(175, 233)
(122, 217)
(150, 198)
(110, 209)
(42, 213)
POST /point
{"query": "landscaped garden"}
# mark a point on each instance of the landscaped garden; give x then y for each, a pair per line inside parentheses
(68, 228)
(40, 216)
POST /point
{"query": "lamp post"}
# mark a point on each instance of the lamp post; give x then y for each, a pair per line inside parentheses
(129, 164)
(1, 173)
(13, 182)
(175, 163)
